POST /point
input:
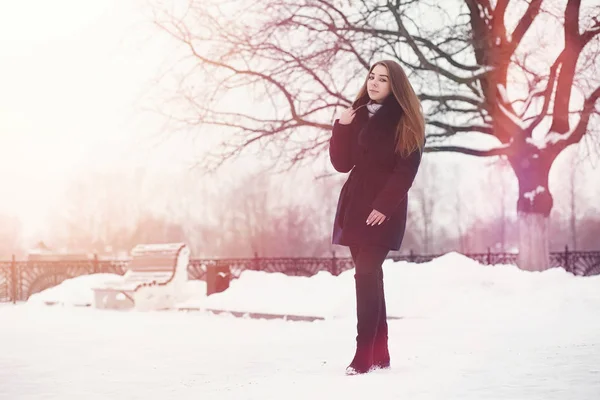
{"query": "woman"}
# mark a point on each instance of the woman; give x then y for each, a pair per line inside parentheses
(380, 140)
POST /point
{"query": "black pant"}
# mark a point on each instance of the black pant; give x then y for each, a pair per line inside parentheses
(370, 298)
(368, 259)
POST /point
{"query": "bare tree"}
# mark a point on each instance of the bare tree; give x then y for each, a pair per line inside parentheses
(99, 211)
(326, 195)
(459, 212)
(10, 237)
(575, 196)
(498, 185)
(573, 180)
(154, 229)
(255, 217)
(425, 195)
(479, 69)
(589, 232)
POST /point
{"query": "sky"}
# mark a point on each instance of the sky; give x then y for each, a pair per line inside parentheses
(79, 84)
(74, 77)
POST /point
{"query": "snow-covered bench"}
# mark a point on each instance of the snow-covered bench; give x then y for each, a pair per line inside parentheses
(156, 275)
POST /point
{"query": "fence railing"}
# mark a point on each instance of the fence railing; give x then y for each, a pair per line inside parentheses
(21, 279)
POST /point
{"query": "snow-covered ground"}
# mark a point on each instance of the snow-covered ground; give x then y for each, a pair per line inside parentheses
(465, 331)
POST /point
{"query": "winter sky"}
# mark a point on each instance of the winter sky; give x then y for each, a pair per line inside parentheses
(76, 80)
(73, 76)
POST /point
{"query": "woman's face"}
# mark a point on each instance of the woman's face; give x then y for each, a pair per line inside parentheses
(378, 85)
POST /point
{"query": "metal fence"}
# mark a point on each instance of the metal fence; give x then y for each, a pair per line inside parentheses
(21, 279)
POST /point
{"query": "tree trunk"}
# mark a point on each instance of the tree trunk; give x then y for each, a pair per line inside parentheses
(573, 193)
(534, 253)
(533, 208)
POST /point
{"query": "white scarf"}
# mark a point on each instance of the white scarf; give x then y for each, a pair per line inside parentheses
(373, 107)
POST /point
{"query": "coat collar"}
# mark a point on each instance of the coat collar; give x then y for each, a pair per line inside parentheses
(382, 123)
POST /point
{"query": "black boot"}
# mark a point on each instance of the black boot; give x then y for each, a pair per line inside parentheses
(381, 354)
(368, 303)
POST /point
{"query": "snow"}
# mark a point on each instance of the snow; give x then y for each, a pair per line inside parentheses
(78, 291)
(428, 289)
(483, 12)
(540, 143)
(549, 138)
(482, 69)
(514, 118)
(72, 292)
(531, 194)
(503, 94)
(463, 331)
(554, 137)
(254, 291)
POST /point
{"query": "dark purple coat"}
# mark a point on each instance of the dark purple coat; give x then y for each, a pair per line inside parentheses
(379, 178)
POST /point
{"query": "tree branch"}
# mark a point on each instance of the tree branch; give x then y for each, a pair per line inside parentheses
(524, 24)
(446, 56)
(467, 128)
(403, 32)
(305, 56)
(547, 95)
(571, 52)
(498, 17)
(451, 97)
(499, 151)
(588, 35)
(562, 141)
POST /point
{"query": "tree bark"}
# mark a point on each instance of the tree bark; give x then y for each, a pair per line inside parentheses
(532, 168)
(533, 242)
(573, 199)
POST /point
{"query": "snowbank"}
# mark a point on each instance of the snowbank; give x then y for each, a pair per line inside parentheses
(322, 295)
(474, 331)
(71, 292)
(78, 291)
(450, 286)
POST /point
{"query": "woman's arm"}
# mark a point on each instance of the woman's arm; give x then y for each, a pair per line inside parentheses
(396, 188)
(340, 147)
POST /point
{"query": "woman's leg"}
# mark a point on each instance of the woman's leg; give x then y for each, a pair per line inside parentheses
(367, 261)
(354, 251)
(381, 354)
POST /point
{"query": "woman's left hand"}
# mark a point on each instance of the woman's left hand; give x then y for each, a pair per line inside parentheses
(375, 218)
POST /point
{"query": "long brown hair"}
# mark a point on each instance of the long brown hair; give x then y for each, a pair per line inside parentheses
(410, 131)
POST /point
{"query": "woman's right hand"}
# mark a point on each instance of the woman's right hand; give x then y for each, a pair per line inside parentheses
(347, 116)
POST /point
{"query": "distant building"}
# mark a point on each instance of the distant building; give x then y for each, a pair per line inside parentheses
(41, 252)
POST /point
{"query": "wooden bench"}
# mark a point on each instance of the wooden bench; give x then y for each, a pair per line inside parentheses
(156, 275)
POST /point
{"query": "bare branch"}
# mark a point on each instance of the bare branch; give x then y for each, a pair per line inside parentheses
(579, 131)
(524, 24)
(588, 35)
(498, 17)
(456, 129)
(446, 56)
(305, 59)
(547, 95)
(571, 52)
(451, 97)
(403, 32)
(464, 150)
